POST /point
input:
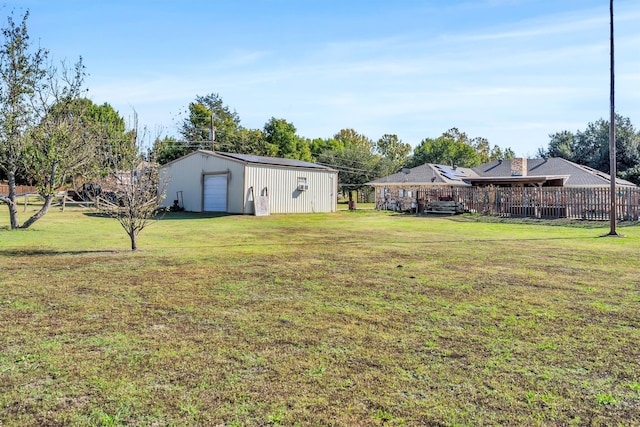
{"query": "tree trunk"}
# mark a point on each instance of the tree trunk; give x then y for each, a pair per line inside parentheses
(13, 207)
(134, 242)
(352, 203)
(48, 200)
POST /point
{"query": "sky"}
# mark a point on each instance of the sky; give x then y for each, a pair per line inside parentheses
(511, 71)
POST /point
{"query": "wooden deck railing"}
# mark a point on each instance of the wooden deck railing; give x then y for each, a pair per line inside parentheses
(545, 202)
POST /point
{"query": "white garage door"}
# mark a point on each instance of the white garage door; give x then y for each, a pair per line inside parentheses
(215, 193)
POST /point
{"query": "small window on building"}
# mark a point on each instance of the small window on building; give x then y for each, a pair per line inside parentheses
(401, 192)
(303, 185)
(408, 193)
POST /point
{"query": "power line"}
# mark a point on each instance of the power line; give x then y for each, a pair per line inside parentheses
(345, 168)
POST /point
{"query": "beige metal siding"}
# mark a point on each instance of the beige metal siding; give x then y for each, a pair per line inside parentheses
(187, 175)
(282, 186)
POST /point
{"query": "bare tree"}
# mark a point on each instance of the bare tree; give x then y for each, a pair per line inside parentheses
(135, 192)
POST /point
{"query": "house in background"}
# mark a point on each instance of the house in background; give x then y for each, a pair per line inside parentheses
(208, 181)
(549, 172)
(537, 187)
(399, 191)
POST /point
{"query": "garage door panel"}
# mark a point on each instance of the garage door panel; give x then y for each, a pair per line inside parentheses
(215, 193)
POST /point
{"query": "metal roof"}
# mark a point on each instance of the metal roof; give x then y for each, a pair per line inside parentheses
(264, 160)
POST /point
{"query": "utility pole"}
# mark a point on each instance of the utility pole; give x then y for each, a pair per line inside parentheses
(612, 135)
(212, 133)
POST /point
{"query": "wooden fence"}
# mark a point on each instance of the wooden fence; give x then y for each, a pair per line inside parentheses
(543, 202)
(20, 189)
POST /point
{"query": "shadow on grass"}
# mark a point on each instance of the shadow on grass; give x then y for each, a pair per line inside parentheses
(171, 216)
(556, 222)
(51, 252)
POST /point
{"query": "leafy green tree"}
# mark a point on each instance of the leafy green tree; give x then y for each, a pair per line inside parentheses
(168, 149)
(304, 151)
(196, 126)
(446, 151)
(590, 147)
(22, 73)
(353, 155)
(280, 136)
(483, 149)
(351, 138)
(205, 115)
(457, 135)
(486, 153)
(319, 145)
(356, 164)
(108, 126)
(632, 174)
(63, 145)
(250, 141)
(42, 134)
(454, 147)
(498, 153)
(101, 127)
(561, 145)
(395, 154)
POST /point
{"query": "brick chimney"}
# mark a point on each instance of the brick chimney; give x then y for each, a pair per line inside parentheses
(519, 166)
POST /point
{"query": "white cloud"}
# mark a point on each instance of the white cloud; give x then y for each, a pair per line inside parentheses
(513, 83)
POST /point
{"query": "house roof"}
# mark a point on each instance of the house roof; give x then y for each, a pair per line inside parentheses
(554, 171)
(551, 168)
(261, 160)
(538, 180)
(428, 174)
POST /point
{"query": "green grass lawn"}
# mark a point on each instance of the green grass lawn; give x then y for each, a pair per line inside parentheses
(347, 319)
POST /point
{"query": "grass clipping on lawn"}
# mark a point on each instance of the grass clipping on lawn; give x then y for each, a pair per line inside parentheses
(353, 318)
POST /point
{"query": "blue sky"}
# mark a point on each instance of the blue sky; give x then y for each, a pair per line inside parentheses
(512, 71)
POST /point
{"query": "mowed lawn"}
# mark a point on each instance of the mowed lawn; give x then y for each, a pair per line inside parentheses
(349, 319)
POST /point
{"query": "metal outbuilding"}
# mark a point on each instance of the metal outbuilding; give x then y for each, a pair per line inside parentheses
(208, 181)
